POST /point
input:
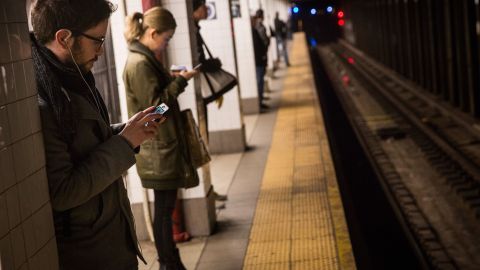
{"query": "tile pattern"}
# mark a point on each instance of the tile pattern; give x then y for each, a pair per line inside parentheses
(26, 226)
(299, 222)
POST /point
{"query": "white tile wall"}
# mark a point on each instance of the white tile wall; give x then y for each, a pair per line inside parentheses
(23, 156)
(6, 252)
(19, 41)
(3, 16)
(34, 192)
(43, 225)
(117, 21)
(5, 51)
(245, 54)
(18, 247)
(33, 115)
(15, 11)
(133, 6)
(18, 118)
(5, 137)
(6, 173)
(13, 207)
(31, 246)
(29, 77)
(7, 83)
(4, 228)
(26, 223)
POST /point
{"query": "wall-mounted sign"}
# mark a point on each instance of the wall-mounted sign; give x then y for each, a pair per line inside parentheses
(235, 6)
(211, 11)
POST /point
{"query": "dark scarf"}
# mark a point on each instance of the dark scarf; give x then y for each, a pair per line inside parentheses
(51, 76)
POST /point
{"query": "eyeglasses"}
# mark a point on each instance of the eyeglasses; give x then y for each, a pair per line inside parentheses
(98, 41)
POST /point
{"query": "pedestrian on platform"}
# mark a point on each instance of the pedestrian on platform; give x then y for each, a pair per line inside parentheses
(261, 41)
(281, 38)
(164, 163)
(200, 12)
(85, 155)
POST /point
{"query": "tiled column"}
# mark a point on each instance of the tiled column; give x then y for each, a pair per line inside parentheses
(226, 129)
(134, 186)
(198, 202)
(27, 236)
(246, 60)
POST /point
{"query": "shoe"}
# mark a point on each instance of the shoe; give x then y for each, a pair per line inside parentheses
(266, 98)
(219, 197)
(181, 237)
(264, 106)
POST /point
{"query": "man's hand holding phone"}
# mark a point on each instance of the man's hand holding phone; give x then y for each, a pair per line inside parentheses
(142, 126)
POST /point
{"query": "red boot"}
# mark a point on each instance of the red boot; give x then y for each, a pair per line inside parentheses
(179, 233)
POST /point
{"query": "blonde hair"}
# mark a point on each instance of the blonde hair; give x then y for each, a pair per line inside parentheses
(157, 18)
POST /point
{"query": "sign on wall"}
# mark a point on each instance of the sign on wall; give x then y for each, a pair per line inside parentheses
(235, 7)
(211, 11)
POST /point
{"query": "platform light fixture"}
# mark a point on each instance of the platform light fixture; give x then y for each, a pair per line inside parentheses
(296, 9)
(313, 11)
(329, 9)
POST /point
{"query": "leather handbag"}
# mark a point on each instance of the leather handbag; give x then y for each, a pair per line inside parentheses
(196, 145)
(216, 82)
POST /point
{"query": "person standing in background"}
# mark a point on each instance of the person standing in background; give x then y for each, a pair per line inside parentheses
(261, 41)
(200, 12)
(281, 38)
(164, 164)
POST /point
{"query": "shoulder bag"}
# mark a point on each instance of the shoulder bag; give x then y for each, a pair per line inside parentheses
(197, 147)
(217, 82)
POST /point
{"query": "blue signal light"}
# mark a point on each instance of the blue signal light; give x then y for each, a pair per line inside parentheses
(296, 10)
(313, 11)
(329, 9)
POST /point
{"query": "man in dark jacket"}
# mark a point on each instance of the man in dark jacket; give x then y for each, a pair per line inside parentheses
(85, 155)
(261, 41)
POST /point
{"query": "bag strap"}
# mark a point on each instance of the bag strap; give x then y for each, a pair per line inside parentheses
(205, 45)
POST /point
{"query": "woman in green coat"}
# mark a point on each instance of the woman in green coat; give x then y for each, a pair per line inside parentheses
(164, 163)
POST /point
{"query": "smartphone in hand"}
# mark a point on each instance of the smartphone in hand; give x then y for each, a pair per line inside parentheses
(177, 68)
(161, 109)
(197, 66)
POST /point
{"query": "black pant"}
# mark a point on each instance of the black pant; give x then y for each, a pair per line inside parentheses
(162, 228)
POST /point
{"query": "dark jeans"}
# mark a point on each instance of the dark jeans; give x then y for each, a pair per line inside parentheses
(282, 50)
(260, 81)
(168, 255)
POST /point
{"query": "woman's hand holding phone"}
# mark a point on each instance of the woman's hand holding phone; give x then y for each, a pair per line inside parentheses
(188, 74)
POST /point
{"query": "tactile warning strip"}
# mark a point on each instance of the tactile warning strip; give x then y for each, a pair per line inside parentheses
(299, 221)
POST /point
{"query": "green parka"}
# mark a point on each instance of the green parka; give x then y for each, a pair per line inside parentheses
(163, 163)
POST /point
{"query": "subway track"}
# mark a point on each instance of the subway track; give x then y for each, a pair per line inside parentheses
(451, 141)
(448, 140)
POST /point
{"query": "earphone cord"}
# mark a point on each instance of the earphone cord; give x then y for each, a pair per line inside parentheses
(97, 103)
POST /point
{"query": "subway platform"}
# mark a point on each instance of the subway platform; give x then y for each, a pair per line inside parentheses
(284, 209)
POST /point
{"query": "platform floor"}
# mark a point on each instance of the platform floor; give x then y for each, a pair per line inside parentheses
(283, 209)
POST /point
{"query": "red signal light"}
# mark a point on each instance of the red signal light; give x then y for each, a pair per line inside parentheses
(351, 60)
(341, 22)
(340, 14)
